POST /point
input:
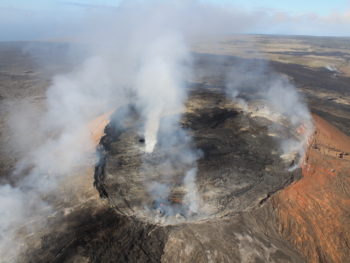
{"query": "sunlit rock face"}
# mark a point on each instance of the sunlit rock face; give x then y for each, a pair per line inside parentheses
(313, 212)
(238, 163)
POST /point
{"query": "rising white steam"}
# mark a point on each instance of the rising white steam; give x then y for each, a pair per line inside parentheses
(160, 83)
(138, 53)
(192, 197)
(63, 145)
(279, 102)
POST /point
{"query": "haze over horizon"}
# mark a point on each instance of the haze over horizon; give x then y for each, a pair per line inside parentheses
(60, 19)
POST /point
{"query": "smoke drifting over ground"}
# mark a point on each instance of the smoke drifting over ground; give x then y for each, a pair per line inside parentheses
(280, 102)
(170, 173)
(139, 55)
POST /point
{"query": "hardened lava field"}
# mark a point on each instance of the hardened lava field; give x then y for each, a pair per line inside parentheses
(239, 164)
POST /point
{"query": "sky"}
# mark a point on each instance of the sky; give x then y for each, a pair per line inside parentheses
(320, 7)
(45, 19)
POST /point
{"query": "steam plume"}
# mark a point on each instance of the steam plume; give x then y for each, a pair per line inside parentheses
(138, 53)
(282, 101)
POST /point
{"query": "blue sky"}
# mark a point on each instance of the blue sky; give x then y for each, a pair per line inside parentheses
(37, 19)
(321, 7)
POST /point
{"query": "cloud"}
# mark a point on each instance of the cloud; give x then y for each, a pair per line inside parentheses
(65, 19)
(280, 22)
(86, 5)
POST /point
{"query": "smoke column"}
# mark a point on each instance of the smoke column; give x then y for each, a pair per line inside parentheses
(137, 53)
(160, 83)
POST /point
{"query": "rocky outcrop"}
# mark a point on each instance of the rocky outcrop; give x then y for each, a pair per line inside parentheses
(313, 213)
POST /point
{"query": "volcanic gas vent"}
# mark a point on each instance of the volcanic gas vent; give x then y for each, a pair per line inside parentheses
(220, 161)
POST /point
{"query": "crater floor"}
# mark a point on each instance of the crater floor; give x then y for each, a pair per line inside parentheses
(239, 167)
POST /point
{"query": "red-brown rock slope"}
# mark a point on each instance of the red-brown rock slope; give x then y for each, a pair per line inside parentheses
(314, 213)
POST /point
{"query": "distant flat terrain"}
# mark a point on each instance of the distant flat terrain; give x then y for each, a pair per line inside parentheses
(315, 52)
(318, 66)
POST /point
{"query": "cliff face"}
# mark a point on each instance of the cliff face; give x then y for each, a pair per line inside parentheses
(313, 212)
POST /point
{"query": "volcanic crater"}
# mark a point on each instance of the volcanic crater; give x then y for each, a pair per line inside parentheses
(239, 165)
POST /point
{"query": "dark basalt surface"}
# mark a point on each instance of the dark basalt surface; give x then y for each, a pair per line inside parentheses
(240, 165)
(246, 229)
(100, 236)
(239, 169)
